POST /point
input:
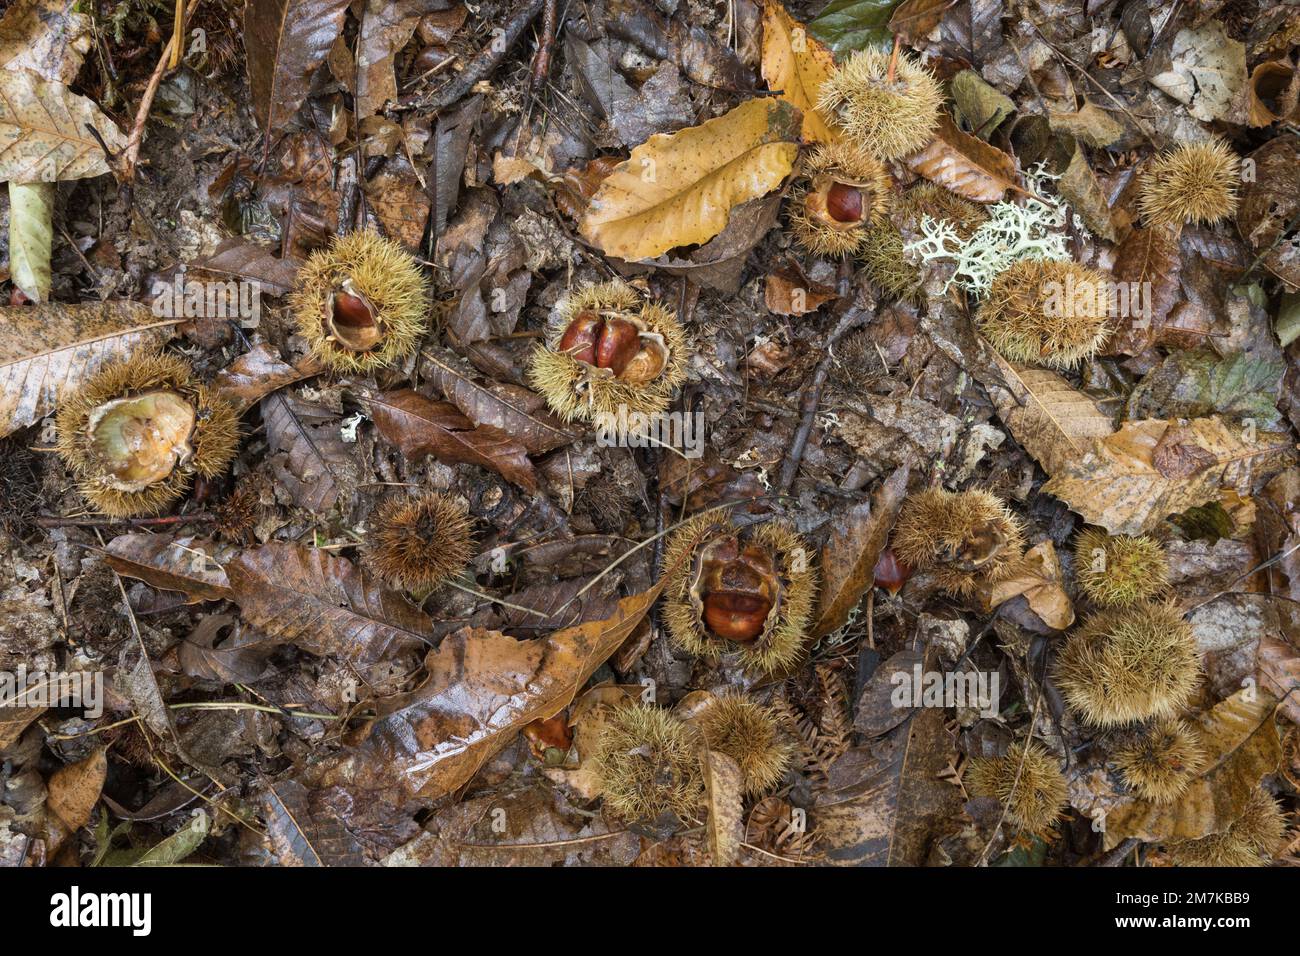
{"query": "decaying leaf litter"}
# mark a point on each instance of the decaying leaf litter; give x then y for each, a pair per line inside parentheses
(321, 317)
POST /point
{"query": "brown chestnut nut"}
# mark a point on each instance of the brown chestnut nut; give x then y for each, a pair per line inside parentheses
(579, 339)
(614, 344)
(550, 739)
(618, 343)
(737, 617)
(891, 572)
(738, 587)
(353, 321)
(844, 202)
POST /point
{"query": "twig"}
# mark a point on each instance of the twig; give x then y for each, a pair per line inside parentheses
(813, 395)
(130, 156)
(55, 521)
(487, 59)
(545, 43)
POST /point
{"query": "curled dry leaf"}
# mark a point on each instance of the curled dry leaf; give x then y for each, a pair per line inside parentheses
(797, 64)
(420, 426)
(726, 822)
(1038, 579)
(1127, 482)
(47, 351)
(483, 688)
(1273, 92)
(324, 604)
(965, 164)
(1241, 741)
(848, 560)
(186, 564)
(73, 792)
(679, 189)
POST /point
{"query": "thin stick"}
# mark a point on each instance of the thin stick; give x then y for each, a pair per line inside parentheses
(545, 42)
(130, 156)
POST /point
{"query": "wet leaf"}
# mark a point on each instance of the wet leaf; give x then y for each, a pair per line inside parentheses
(1192, 384)
(186, 564)
(420, 426)
(679, 189)
(848, 560)
(300, 834)
(73, 792)
(48, 37)
(259, 372)
(1149, 257)
(241, 259)
(286, 41)
(1269, 206)
(324, 604)
(846, 25)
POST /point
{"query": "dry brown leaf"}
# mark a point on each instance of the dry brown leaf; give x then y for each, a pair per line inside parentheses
(43, 131)
(286, 41)
(590, 714)
(259, 372)
(1129, 481)
(324, 604)
(678, 189)
(482, 688)
(1148, 255)
(726, 823)
(965, 164)
(186, 564)
(797, 64)
(885, 803)
(1051, 419)
(1241, 740)
(1038, 578)
(73, 792)
(912, 20)
(1272, 83)
(848, 560)
(420, 426)
(47, 351)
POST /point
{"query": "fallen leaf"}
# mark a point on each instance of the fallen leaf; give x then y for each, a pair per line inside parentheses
(848, 560)
(241, 259)
(43, 131)
(912, 20)
(286, 41)
(1128, 482)
(1038, 579)
(312, 463)
(259, 372)
(48, 37)
(1269, 205)
(788, 291)
(186, 564)
(31, 238)
(964, 164)
(1241, 741)
(1207, 71)
(300, 833)
(847, 25)
(1148, 259)
(74, 790)
(1051, 419)
(679, 189)
(483, 688)
(1272, 84)
(796, 64)
(726, 821)
(324, 604)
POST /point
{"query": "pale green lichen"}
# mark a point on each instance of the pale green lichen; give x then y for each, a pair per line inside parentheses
(1032, 228)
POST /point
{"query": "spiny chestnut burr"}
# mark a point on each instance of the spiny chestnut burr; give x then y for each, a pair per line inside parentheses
(1128, 664)
(882, 250)
(1159, 760)
(647, 765)
(1027, 781)
(965, 539)
(418, 541)
(606, 349)
(1253, 839)
(138, 430)
(842, 191)
(1117, 570)
(361, 303)
(748, 591)
(1191, 183)
(889, 106)
(1043, 312)
(749, 733)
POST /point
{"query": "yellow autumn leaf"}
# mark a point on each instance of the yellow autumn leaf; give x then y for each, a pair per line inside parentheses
(678, 189)
(797, 64)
